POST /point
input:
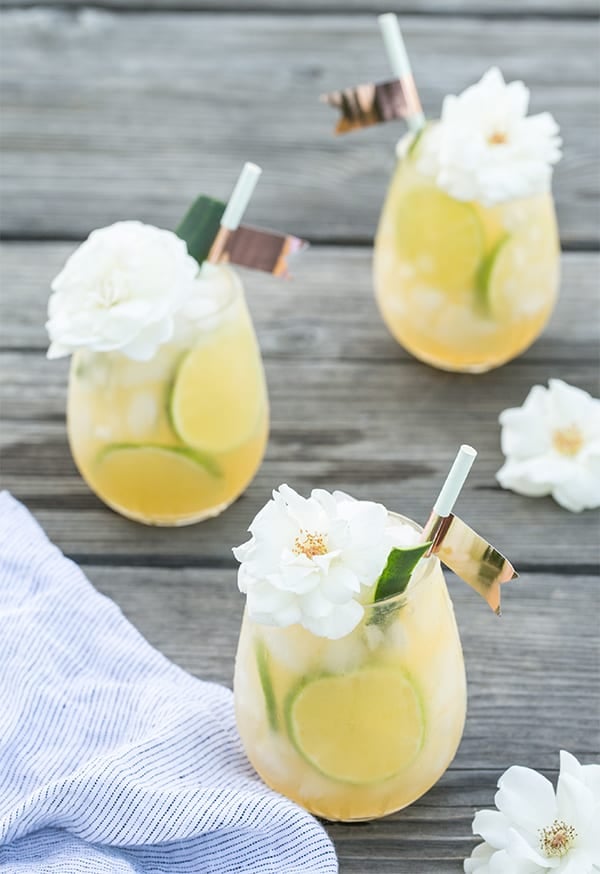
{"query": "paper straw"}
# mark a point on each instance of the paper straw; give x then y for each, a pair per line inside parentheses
(400, 64)
(237, 203)
(455, 480)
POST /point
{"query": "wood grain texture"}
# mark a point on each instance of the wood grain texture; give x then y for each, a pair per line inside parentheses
(544, 8)
(523, 707)
(130, 113)
(350, 410)
(109, 116)
(327, 311)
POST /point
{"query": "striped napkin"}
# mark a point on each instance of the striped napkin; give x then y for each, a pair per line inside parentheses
(112, 759)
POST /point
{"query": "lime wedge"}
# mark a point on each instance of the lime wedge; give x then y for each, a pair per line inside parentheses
(217, 394)
(518, 275)
(414, 144)
(362, 727)
(264, 674)
(155, 480)
(442, 239)
(484, 275)
(202, 459)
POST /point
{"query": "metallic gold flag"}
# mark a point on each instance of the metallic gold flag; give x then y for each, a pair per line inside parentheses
(255, 248)
(369, 104)
(470, 556)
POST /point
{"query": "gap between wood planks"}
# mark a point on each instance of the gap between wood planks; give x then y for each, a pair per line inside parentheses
(151, 7)
(270, 356)
(359, 242)
(172, 562)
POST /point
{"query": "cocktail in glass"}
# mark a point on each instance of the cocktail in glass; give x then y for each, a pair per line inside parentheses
(359, 727)
(466, 261)
(461, 285)
(175, 439)
(350, 690)
(167, 405)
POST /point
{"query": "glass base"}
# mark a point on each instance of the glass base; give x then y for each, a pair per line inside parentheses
(172, 522)
(484, 367)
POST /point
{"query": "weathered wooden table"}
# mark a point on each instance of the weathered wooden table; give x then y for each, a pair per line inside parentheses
(130, 111)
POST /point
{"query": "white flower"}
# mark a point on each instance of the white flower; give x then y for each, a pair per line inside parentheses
(120, 290)
(552, 446)
(485, 148)
(535, 830)
(309, 559)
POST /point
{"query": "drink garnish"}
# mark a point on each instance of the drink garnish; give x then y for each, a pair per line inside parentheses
(213, 233)
(266, 684)
(369, 103)
(461, 548)
(398, 570)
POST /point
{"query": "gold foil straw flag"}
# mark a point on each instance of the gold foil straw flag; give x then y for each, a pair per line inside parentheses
(460, 548)
(256, 248)
(369, 104)
(247, 246)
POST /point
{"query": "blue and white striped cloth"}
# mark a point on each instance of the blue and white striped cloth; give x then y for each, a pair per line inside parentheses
(112, 759)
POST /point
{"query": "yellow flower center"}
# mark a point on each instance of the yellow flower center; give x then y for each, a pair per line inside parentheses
(568, 441)
(497, 138)
(557, 839)
(309, 544)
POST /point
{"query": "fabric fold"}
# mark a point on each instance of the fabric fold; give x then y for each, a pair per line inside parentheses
(113, 759)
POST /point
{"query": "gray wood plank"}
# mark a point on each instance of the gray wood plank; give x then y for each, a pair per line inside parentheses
(350, 410)
(363, 428)
(544, 8)
(528, 674)
(123, 115)
(326, 311)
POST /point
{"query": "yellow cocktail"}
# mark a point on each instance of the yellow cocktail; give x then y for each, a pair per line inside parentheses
(460, 285)
(175, 439)
(361, 726)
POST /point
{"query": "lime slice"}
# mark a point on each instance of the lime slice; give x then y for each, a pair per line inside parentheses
(414, 143)
(153, 480)
(484, 274)
(217, 394)
(264, 674)
(517, 277)
(442, 239)
(362, 727)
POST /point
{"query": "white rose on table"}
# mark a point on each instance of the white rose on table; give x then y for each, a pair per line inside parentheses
(552, 446)
(486, 148)
(120, 290)
(537, 831)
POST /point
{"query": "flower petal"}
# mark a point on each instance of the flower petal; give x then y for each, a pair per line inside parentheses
(579, 491)
(493, 828)
(503, 863)
(524, 845)
(340, 584)
(524, 477)
(339, 623)
(526, 798)
(477, 863)
(569, 404)
(575, 802)
(575, 862)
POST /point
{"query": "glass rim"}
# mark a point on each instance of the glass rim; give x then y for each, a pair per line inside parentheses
(235, 289)
(429, 565)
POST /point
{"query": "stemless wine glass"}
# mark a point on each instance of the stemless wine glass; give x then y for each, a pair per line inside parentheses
(176, 439)
(460, 285)
(358, 727)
